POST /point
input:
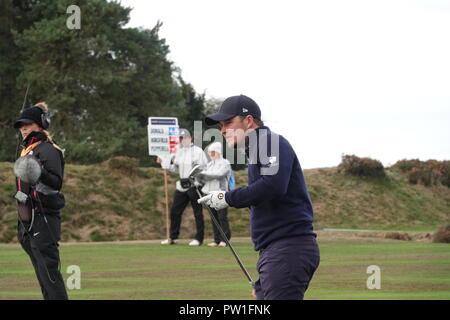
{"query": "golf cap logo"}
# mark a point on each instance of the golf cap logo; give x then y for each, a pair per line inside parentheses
(244, 110)
(220, 196)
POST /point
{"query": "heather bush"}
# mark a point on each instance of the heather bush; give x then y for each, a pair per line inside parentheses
(363, 167)
(428, 173)
(407, 165)
(442, 235)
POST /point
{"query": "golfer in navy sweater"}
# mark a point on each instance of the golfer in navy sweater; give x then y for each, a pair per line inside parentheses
(281, 211)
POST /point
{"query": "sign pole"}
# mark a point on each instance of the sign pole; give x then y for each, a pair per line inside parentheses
(167, 204)
(162, 142)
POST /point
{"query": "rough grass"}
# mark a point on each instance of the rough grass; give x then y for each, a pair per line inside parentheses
(389, 203)
(409, 270)
(104, 203)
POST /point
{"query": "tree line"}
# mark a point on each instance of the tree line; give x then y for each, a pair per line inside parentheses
(101, 81)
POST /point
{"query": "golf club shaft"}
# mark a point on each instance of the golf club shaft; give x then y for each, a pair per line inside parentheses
(249, 278)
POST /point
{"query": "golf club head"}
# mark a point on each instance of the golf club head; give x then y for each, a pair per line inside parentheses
(195, 171)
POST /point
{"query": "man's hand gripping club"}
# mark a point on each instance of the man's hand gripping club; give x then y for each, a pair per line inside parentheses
(214, 199)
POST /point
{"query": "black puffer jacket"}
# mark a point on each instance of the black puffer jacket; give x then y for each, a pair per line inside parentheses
(50, 183)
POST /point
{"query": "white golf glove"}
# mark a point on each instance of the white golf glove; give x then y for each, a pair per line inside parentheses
(214, 199)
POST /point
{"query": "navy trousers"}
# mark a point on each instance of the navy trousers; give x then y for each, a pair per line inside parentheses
(286, 267)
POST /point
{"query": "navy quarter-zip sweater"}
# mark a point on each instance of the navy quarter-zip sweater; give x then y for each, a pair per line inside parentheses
(280, 206)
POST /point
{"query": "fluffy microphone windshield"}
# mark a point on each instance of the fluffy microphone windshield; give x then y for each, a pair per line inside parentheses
(28, 169)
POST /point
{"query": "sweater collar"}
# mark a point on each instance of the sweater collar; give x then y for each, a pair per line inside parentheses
(33, 137)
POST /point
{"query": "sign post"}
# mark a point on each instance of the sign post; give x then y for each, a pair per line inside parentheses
(166, 192)
(163, 140)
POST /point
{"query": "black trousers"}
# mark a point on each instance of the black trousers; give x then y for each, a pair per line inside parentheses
(180, 201)
(222, 217)
(40, 243)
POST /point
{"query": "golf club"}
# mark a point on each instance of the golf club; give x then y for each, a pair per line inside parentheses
(192, 174)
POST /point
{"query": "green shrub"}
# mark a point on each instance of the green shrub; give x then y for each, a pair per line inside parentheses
(367, 167)
(407, 165)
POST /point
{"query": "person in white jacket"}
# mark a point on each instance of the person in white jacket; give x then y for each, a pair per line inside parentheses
(184, 160)
(215, 177)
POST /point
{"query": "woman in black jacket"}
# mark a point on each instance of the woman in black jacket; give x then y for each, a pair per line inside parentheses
(39, 202)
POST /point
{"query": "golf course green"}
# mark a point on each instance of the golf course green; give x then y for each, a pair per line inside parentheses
(147, 270)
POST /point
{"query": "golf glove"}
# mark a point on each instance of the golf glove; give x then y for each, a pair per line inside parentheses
(214, 199)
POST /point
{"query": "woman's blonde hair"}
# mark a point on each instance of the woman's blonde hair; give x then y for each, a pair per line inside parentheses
(43, 105)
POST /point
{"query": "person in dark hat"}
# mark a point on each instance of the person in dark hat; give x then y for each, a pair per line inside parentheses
(187, 156)
(281, 210)
(40, 201)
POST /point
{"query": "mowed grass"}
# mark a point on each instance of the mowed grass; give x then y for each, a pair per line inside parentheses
(409, 270)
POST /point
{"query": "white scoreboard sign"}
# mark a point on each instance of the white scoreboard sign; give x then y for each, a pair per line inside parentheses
(163, 137)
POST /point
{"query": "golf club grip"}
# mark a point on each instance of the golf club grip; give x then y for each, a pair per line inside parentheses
(249, 278)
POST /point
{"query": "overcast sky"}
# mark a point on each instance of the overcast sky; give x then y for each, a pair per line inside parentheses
(370, 78)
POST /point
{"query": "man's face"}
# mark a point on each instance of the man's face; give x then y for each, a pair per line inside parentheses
(186, 141)
(234, 130)
(26, 129)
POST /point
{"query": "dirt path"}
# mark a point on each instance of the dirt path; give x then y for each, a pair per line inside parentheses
(327, 235)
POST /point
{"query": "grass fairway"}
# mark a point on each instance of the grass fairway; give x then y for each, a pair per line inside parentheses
(409, 270)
